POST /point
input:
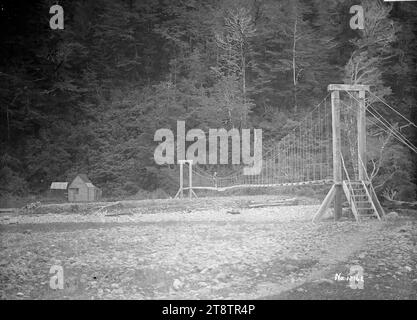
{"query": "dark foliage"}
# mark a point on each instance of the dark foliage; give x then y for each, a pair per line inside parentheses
(90, 97)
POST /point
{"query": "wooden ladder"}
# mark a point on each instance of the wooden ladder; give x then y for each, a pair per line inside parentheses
(360, 200)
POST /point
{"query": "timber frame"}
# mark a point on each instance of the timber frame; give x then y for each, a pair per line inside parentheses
(336, 192)
(191, 193)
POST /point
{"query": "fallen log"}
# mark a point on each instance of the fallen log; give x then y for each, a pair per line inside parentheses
(109, 206)
(285, 202)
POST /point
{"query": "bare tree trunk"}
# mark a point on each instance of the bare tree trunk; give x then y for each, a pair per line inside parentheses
(294, 71)
(243, 81)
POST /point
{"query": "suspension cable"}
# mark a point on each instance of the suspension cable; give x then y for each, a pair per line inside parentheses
(397, 112)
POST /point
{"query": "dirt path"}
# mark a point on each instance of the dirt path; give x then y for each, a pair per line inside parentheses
(260, 253)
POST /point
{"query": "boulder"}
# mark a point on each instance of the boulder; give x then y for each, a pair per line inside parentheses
(177, 284)
(391, 216)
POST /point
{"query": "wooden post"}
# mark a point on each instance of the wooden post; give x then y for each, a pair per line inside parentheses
(337, 164)
(325, 204)
(190, 178)
(361, 136)
(181, 178)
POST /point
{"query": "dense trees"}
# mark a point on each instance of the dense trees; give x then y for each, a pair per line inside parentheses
(90, 97)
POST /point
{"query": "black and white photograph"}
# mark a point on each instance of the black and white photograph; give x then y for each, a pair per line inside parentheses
(210, 155)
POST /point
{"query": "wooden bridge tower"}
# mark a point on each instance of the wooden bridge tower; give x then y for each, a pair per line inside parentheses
(359, 193)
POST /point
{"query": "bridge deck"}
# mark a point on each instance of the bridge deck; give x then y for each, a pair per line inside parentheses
(238, 186)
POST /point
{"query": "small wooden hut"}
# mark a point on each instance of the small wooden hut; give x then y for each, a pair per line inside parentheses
(82, 189)
(58, 190)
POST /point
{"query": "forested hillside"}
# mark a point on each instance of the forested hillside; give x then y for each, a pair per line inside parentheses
(89, 98)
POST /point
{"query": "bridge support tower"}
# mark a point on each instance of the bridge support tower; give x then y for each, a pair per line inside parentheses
(336, 192)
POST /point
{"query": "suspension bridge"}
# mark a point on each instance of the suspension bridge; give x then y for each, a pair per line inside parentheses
(327, 147)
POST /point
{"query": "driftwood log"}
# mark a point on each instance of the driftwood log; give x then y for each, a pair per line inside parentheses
(115, 205)
(284, 202)
(126, 213)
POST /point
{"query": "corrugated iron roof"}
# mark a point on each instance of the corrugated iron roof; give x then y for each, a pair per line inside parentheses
(89, 185)
(59, 185)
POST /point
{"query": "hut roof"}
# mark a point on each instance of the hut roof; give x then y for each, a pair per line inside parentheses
(84, 177)
(59, 185)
